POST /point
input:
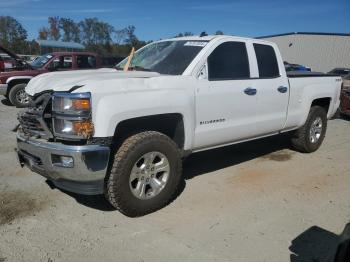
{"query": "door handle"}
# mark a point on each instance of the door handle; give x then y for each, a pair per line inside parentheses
(250, 91)
(282, 89)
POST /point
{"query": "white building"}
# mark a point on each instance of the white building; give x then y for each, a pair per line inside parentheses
(320, 51)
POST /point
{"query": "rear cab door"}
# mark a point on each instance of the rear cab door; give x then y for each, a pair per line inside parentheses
(238, 97)
(272, 87)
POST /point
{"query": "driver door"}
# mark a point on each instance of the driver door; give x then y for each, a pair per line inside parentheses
(225, 98)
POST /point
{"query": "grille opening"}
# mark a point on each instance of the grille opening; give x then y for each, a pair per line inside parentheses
(36, 121)
(32, 121)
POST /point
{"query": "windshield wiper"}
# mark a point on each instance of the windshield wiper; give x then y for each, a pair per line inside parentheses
(135, 68)
(139, 68)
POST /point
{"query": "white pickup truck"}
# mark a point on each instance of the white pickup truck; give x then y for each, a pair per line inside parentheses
(124, 133)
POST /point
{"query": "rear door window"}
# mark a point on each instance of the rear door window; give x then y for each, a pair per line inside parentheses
(86, 61)
(267, 61)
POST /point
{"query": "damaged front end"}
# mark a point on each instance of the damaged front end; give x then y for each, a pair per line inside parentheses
(52, 140)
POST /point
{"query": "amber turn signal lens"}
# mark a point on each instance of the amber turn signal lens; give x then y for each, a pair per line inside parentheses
(81, 104)
(83, 128)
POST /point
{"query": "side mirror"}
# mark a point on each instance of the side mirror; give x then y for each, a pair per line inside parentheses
(203, 72)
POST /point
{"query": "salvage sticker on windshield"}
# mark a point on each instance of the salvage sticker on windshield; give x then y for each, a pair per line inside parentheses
(196, 43)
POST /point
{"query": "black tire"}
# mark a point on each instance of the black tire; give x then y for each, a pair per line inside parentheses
(13, 95)
(301, 140)
(118, 191)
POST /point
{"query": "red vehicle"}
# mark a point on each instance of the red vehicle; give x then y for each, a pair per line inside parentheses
(345, 96)
(13, 80)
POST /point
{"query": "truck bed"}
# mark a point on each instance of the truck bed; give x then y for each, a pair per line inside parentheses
(293, 74)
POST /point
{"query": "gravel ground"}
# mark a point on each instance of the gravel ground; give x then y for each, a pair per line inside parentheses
(257, 201)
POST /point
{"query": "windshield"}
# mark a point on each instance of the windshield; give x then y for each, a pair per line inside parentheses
(168, 57)
(41, 61)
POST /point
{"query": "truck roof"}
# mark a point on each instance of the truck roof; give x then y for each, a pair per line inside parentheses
(195, 38)
(211, 37)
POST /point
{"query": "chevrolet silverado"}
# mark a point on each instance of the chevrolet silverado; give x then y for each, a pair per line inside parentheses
(123, 132)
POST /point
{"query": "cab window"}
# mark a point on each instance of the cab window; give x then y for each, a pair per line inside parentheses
(267, 61)
(86, 61)
(61, 63)
(229, 61)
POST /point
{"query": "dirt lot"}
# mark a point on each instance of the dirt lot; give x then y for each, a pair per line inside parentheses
(257, 201)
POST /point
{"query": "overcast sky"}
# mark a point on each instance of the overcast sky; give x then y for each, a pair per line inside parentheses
(155, 19)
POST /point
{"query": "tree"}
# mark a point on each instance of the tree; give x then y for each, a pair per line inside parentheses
(184, 34)
(131, 38)
(95, 32)
(120, 35)
(104, 33)
(54, 27)
(219, 32)
(43, 33)
(12, 34)
(71, 30)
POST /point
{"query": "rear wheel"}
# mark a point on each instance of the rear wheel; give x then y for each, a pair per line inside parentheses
(145, 175)
(18, 97)
(310, 136)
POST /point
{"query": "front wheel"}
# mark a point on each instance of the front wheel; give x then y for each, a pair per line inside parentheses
(310, 136)
(18, 97)
(145, 175)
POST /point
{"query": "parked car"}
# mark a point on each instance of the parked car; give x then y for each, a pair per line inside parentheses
(124, 132)
(13, 81)
(111, 61)
(295, 67)
(345, 96)
(6, 63)
(340, 71)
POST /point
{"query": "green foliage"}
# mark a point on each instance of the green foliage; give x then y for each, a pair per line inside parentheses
(54, 28)
(43, 33)
(71, 30)
(96, 35)
(12, 35)
(95, 32)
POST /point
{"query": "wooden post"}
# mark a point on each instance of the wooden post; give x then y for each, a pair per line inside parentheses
(126, 67)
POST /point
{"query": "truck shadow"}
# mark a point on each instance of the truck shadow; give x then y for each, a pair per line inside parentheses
(344, 117)
(205, 162)
(6, 102)
(215, 159)
(98, 202)
(318, 244)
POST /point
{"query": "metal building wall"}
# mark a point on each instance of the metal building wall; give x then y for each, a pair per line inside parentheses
(320, 52)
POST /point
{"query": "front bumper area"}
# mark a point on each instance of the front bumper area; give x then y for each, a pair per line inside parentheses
(85, 176)
(3, 89)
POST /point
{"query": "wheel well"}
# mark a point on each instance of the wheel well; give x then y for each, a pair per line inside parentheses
(16, 82)
(171, 125)
(322, 102)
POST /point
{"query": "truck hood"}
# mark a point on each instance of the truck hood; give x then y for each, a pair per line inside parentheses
(65, 81)
(14, 56)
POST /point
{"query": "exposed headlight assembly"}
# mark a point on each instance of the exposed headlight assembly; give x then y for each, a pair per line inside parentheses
(71, 103)
(72, 115)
